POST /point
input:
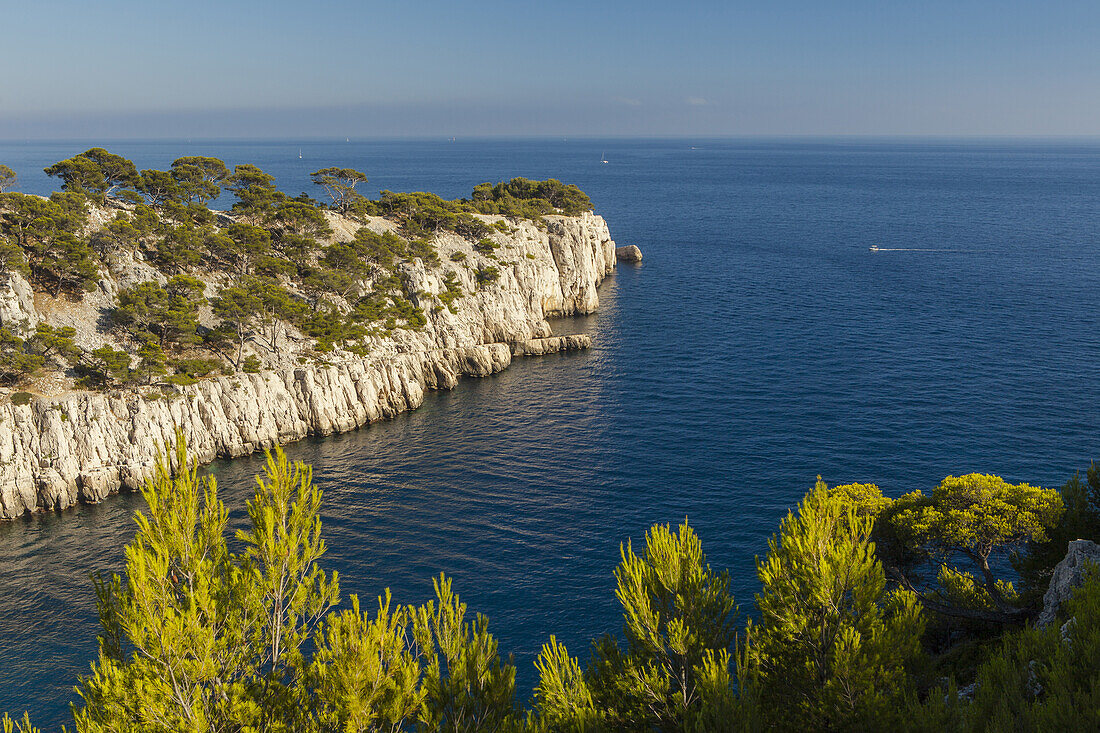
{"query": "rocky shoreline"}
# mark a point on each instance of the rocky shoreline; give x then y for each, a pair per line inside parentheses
(81, 447)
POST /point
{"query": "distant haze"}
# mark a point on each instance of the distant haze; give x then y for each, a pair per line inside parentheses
(122, 69)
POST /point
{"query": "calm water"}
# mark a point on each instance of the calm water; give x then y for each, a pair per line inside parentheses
(759, 345)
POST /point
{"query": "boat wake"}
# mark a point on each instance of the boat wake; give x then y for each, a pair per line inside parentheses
(922, 249)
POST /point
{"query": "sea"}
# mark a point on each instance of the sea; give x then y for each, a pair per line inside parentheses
(761, 343)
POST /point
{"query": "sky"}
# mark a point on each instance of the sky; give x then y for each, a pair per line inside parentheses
(117, 69)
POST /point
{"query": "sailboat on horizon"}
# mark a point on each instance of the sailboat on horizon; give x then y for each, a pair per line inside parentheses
(603, 157)
(299, 153)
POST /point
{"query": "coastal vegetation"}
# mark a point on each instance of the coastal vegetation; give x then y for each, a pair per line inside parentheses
(268, 282)
(207, 632)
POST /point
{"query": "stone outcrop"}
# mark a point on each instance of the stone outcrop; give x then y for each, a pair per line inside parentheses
(629, 253)
(1067, 577)
(82, 446)
(17, 313)
(540, 347)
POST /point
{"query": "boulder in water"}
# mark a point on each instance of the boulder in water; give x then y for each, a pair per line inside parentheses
(629, 253)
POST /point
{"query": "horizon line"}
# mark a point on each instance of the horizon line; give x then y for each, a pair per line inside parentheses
(761, 137)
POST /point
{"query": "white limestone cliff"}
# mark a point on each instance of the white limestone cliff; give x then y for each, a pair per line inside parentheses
(82, 446)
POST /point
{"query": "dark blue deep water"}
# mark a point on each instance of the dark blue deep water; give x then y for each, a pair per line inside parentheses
(759, 344)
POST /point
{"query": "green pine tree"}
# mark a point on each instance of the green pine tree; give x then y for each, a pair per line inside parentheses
(832, 646)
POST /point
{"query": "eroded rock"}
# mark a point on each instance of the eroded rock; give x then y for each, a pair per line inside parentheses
(1067, 576)
(629, 253)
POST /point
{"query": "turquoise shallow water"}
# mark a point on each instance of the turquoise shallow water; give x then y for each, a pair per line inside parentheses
(758, 345)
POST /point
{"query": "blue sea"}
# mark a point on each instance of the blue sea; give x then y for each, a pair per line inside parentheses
(760, 344)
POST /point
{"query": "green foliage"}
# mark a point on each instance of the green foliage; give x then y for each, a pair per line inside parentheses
(486, 274)
(331, 329)
(866, 499)
(197, 178)
(486, 247)
(17, 363)
(521, 198)
(105, 367)
(23, 725)
(47, 232)
(563, 701)
(127, 230)
(832, 646)
(200, 638)
(245, 244)
(679, 621)
(255, 190)
(165, 314)
(1081, 520)
(251, 365)
(466, 686)
(304, 220)
(970, 518)
(238, 308)
(159, 187)
(365, 673)
(7, 178)
(276, 306)
(384, 251)
(188, 371)
(182, 248)
(12, 258)
(339, 184)
(21, 398)
(95, 172)
(152, 364)
(452, 291)
(1038, 680)
(54, 342)
(458, 256)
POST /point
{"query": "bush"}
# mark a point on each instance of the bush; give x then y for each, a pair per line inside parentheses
(16, 361)
(486, 274)
(21, 398)
(196, 368)
(458, 256)
(486, 246)
(251, 365)
(452, 292)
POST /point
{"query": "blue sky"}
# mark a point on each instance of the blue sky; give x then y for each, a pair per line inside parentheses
(117, 69)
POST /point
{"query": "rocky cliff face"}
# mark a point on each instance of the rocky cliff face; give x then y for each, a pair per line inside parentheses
(1068, 575)
(82, 446)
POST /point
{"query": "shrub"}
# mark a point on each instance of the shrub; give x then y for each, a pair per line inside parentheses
(486, 246)
(452, 292)
(16, 361)
(458, 256)
(486, 274)
(196, 368)
(251, 365)
(21, 398)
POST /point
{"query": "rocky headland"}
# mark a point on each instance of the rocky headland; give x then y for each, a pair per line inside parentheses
(60, 445)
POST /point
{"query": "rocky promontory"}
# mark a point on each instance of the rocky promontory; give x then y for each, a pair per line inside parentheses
(79, 445)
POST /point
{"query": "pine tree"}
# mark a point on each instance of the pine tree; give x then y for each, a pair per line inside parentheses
(832, 646)
(674, 672)
(196, 637)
